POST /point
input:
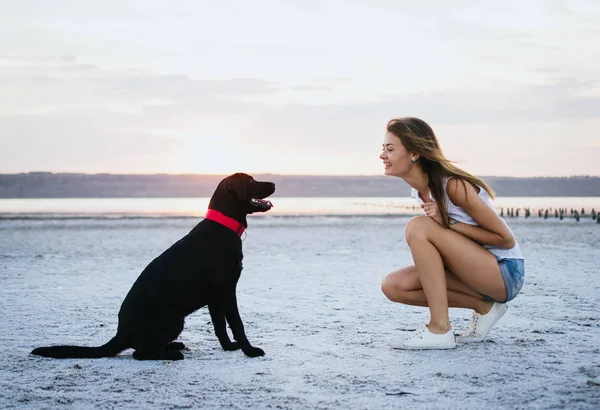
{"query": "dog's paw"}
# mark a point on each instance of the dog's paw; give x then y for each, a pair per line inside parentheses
(231, 346)
(254, 352)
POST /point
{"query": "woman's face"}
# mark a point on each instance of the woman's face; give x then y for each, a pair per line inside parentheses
(396, 160)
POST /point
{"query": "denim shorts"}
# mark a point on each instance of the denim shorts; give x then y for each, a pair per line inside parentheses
(513, 273)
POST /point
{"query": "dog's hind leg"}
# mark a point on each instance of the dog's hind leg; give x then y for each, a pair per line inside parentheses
(175, 346)
(154, 338)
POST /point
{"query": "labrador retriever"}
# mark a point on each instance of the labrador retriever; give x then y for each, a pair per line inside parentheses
(201, 269)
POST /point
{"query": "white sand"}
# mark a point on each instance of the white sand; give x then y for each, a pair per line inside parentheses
(310, 297)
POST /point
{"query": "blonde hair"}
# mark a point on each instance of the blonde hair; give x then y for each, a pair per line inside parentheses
(418, 138)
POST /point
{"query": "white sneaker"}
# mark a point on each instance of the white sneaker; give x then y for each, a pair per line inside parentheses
(425, 339)
(482, 324)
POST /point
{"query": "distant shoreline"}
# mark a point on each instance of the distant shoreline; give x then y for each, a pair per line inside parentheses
(72, 185)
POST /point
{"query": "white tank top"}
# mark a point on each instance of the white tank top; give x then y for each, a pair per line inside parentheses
(456, 212)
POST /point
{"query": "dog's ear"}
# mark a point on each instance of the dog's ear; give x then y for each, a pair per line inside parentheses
(237, 184)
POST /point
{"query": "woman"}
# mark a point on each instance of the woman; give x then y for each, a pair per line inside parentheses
(464, 254)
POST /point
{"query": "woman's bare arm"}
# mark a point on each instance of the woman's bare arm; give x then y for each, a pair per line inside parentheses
(491, 230)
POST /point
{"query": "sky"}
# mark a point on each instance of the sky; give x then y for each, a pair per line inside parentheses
(511, 88)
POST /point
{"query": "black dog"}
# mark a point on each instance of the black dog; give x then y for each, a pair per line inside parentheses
(200, 269)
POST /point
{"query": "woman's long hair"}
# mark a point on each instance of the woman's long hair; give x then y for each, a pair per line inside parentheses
(418, 138)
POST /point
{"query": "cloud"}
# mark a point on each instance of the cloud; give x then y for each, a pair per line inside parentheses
(48, 85)
(555, 101)
(139, 83)
(98, 113)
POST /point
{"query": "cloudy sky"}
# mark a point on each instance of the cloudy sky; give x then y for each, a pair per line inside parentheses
(297, 87)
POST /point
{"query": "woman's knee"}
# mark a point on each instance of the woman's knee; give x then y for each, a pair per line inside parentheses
(388, 287)
(395, 284)
(417, 228)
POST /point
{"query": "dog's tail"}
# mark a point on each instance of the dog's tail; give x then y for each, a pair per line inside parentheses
(110, 349)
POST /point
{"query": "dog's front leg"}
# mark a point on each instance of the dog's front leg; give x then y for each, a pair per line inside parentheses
(237, 327)
(218, 319)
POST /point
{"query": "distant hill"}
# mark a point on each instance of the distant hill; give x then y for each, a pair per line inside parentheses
(64, 185)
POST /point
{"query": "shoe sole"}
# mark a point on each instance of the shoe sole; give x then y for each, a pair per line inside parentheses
(429, 347)
(480, 339)
(424, 347)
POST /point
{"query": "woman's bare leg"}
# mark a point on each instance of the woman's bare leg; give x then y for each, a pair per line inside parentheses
(404, 286)
(434, 248)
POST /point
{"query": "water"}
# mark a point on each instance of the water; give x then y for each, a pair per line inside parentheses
(196, 207)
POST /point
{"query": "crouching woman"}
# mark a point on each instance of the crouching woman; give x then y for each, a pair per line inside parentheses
(465, 255)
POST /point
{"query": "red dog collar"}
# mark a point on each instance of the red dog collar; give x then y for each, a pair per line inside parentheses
(225, 220)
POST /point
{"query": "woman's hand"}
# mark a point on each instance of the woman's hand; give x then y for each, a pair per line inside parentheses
(431, 209)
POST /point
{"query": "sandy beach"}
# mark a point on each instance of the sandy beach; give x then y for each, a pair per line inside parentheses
(309, 296)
